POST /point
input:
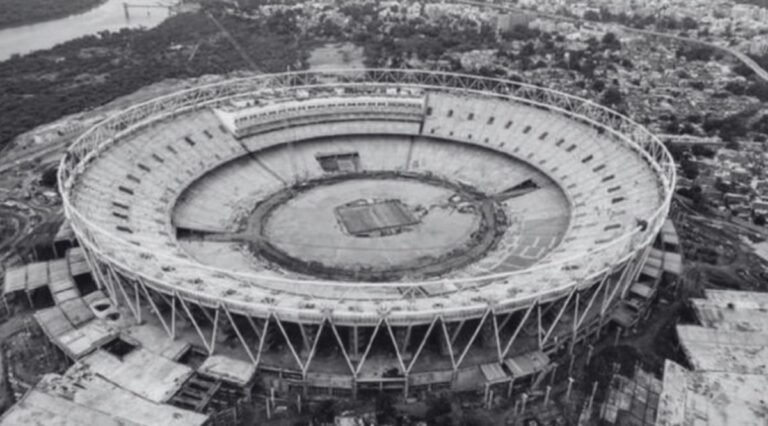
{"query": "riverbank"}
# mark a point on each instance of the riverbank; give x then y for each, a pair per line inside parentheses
(91, 71)
(15, 13)
(107, 15)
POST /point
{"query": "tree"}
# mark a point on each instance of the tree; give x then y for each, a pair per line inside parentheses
(735, 87)
(759, 89)
(527, 49)
(703, 151)
(730, 127)
(693, 193)
(385, 409)
(591, 15)
(610, 40)
(696, 53)
(612, 96)
(439, 411)
(473, 419)
(689, 168)
(50, 177)
(722, 186)
(598, 85)
(330, 29)
(520, 32)
(689, 23)
(325, 412)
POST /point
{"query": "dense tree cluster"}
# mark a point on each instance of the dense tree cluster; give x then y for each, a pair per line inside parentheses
(761, 3)
(422, 40)
(730, 127)
(612, 97)
(758, 89)
(695, 52)
(644, 21)
(19, 12)
(50, 177)
(41, 87)
(694, 194)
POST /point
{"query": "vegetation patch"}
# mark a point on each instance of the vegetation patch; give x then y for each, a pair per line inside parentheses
(22, 12)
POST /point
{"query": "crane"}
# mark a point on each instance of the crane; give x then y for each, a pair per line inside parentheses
(234, 42)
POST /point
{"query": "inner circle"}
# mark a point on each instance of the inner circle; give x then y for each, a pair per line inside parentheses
(377, 226)
(321, 208)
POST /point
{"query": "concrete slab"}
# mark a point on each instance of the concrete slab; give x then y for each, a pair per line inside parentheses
(228, 369)
(141, 371)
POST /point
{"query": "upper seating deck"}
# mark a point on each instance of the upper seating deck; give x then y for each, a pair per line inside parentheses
(243, 122)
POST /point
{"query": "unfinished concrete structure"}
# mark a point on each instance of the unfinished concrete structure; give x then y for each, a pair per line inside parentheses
(728, 356)
(210, 213)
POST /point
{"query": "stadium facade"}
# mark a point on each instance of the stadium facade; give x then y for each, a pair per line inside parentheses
(367, 230)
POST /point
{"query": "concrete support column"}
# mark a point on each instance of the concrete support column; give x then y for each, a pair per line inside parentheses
(354, 343)
(402, 334)
(488, 335)
(445, 343)
(308, 333)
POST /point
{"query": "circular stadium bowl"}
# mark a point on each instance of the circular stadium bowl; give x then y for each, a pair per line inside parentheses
(369, 229)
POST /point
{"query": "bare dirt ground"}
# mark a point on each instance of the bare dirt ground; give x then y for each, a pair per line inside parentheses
(336, 56)
(719, 253)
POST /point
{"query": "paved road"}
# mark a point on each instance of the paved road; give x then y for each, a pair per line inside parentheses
(8, 162)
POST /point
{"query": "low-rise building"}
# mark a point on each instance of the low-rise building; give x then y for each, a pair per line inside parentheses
(728, 353)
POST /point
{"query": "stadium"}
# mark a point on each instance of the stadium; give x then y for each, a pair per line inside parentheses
(356, 231)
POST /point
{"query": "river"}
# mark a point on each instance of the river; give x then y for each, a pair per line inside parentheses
(109, 16)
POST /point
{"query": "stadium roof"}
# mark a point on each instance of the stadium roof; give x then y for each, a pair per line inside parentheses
(637, 160)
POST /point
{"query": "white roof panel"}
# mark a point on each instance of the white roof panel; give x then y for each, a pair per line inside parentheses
(37, 275)
(15, 279)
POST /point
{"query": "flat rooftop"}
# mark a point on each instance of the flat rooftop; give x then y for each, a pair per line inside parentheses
(725, 350)
(733, 310)
(81, 397)
(712, 398)
(729, 356)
